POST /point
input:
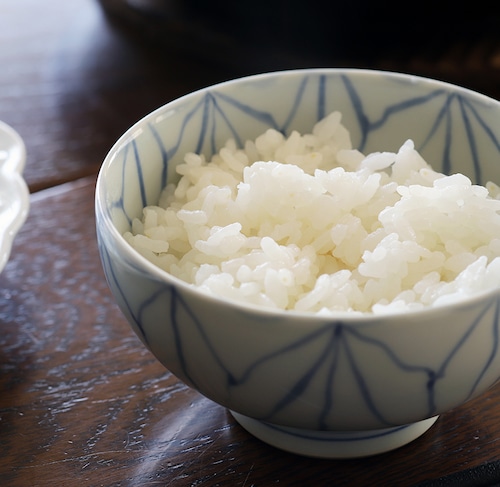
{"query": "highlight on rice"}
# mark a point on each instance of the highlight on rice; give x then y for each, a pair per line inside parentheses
(307, 223)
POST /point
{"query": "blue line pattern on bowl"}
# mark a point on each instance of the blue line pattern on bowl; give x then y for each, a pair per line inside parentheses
(339, 437)
(336, 337)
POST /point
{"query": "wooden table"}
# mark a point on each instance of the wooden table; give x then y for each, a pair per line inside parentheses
(82, 402)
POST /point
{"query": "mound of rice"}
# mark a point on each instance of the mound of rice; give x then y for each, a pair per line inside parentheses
(307, 223)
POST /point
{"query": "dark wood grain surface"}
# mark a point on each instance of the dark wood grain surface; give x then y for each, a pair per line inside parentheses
(82, 402)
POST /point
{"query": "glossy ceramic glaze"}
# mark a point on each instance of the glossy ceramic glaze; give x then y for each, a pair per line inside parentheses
(342, 386)
(14, 195)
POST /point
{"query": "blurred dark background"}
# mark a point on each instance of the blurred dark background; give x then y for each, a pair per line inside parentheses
(76, 74)
(457, 42)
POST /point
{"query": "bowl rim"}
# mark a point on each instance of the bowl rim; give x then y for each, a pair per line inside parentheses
(160, 275)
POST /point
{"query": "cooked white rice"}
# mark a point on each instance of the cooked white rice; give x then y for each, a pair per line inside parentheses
(307, 223)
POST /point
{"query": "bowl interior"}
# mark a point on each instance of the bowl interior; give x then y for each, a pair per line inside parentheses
(455, 130)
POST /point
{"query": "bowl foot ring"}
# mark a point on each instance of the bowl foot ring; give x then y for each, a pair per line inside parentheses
(334, 444)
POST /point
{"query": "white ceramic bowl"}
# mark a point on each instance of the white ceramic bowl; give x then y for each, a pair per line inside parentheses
(328, 387)
(14, 194)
